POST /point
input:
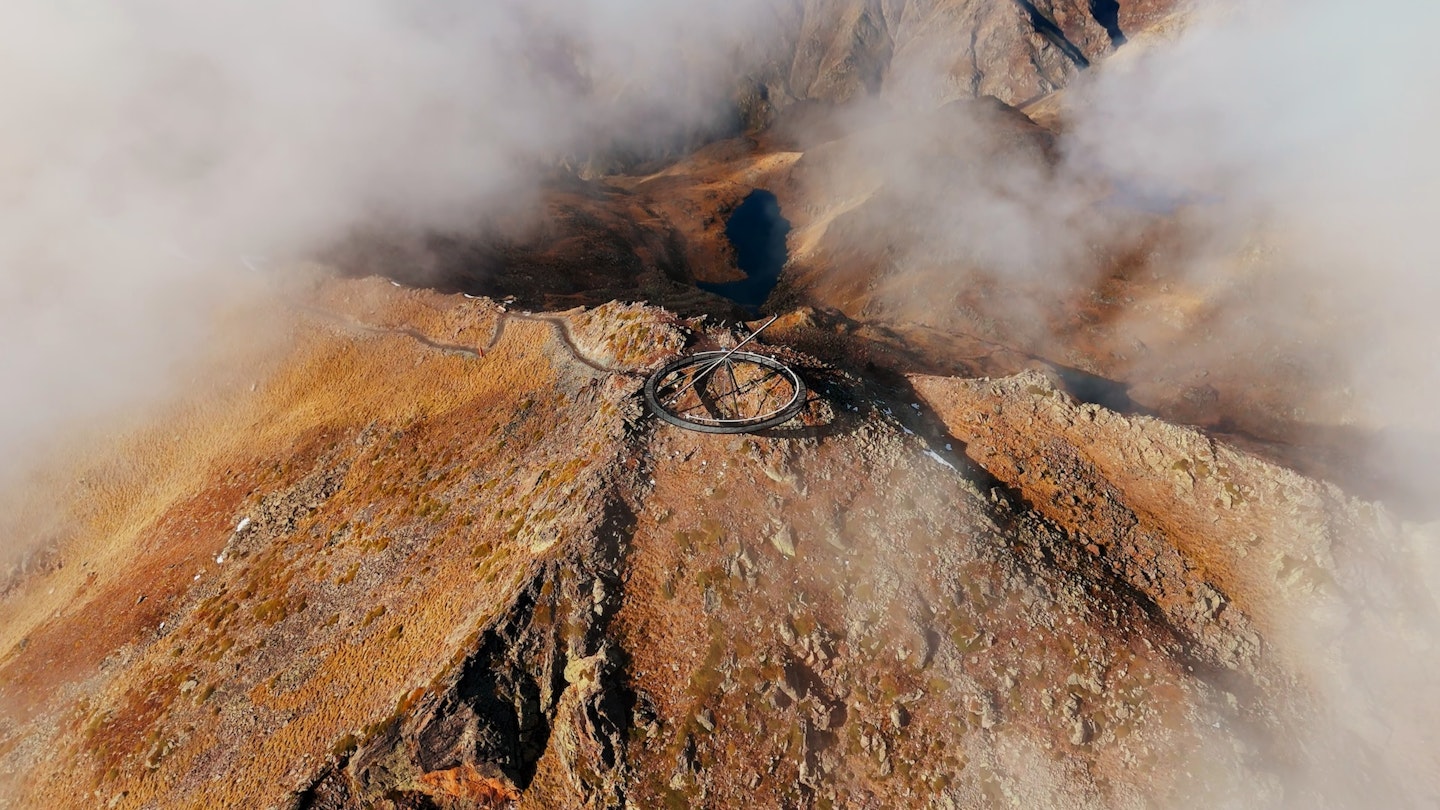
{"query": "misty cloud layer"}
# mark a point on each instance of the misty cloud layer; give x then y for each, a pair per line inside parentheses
(1308, 124)
(157, 153)
(1292, 140)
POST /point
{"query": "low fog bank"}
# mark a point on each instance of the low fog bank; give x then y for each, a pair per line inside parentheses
(1313, 136)
(1288, 145)
(163, 159)
(1309, 124)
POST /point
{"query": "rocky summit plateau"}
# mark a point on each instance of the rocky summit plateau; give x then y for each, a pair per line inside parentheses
(425, 545)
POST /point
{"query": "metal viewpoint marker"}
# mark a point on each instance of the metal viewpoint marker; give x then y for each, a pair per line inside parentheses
(726, 391)
(727, 354)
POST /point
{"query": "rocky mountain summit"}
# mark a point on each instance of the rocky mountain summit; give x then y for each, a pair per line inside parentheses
(427, 548)
(453, 564)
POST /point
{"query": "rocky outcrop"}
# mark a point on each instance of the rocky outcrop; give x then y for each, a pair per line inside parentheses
(1312, 597)
(512, 590)
(1229, 547)
(543, 677)
(1017, 434)
(925, 53)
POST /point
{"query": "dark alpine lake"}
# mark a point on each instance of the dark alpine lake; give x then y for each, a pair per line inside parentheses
(758, 231)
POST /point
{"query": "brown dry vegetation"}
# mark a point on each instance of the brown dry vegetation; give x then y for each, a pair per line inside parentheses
(783, 599)
(397, 496)
(471, 574)
(822, 615)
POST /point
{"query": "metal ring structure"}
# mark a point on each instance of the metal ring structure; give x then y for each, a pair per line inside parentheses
(725, 392)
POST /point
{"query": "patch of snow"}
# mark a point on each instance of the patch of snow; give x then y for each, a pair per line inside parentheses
(941, 459)
(242, 525)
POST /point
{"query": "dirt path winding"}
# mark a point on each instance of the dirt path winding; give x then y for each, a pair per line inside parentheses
(560, 325)
(562, 329)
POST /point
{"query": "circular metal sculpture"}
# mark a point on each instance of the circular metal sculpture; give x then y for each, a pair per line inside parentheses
(726, 391)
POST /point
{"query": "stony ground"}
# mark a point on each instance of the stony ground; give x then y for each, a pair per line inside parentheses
(451, 563)
(427, 550)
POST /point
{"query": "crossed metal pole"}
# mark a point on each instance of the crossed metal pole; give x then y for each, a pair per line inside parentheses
(696, 378)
